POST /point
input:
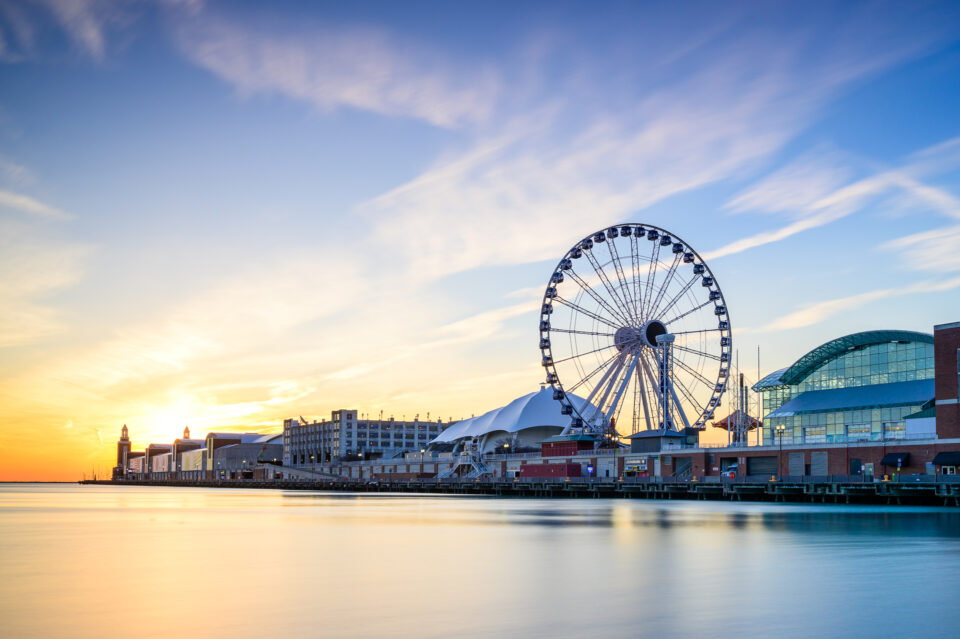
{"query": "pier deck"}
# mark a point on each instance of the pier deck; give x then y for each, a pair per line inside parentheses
(862, 492)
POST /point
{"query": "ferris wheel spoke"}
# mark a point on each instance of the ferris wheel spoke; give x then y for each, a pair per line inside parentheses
(594, 372)
(624, 309)
(682, 315)
(575, 332)
(676, 298)
(694, 351)
(596, 350)
(697, 332)
(635, 264)
(624, 289)
(589, 314)
(688, 395)
(666, 283)
(597, 298)
(696, 374)
(651, 276)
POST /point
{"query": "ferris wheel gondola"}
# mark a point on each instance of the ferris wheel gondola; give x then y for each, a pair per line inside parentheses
(634, 321)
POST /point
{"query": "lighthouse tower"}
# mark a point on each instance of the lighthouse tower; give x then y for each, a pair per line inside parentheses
(123, 450)
(186, 432)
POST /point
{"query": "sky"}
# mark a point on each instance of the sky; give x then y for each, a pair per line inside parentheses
(224, 214)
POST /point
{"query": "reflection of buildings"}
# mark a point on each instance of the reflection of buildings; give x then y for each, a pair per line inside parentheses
(871, 403)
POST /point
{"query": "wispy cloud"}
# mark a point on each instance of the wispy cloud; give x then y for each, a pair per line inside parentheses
(27, 204)
(90, 26)
(343, 66)
(33, 269)
(816, 313)
(517, 192)
(229, 318)
(937, 250)
(84, 21)
(807, 191)
(797, 187)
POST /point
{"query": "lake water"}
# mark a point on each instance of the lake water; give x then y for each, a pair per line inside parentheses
(103, 561)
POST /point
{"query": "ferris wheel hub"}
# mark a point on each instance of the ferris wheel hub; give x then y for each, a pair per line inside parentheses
(628, 338)
(652, 330)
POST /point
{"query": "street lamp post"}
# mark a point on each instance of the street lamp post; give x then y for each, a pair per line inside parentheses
(780, 431)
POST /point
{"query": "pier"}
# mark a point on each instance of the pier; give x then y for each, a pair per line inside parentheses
(800, 490)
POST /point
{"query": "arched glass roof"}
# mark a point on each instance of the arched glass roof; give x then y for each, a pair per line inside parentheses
(835, 348)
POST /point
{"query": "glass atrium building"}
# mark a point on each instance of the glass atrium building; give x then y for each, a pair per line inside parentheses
(860, 387)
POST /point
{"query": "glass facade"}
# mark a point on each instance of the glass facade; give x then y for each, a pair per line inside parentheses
(881, 363)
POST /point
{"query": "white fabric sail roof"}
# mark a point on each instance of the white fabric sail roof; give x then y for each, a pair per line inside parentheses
(530, 411)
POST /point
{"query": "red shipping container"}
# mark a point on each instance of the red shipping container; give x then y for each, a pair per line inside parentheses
(565, 448)
(550, 470)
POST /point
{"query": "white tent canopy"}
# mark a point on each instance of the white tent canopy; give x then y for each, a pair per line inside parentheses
(535, 410)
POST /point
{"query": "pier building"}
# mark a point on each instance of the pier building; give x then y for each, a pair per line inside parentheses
(856, 388)
(344, 436)
(520, 425)
(869, 406)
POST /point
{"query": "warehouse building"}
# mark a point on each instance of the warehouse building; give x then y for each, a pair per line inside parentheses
(345, 437)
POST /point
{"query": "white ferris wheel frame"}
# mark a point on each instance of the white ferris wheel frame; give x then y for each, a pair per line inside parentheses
(632, 308)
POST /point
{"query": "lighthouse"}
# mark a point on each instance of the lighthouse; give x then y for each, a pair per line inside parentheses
(123, 451)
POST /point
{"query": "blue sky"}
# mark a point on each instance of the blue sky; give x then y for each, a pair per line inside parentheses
(227, 213)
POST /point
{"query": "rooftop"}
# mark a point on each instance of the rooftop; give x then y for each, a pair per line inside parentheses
(858, 397)
(796, 373)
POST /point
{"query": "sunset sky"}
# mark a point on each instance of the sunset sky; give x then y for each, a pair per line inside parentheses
(223, 214)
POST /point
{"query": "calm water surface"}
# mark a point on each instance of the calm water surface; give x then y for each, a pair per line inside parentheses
(85, 561)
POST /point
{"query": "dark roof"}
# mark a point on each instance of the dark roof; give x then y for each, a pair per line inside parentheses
(574, 437)
(643, 434)
(873, 396)
(895, 459)
(947, 458)
(926, 412)
(834, 348)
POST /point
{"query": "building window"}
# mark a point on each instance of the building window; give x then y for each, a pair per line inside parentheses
(894, 430)
(858, 432)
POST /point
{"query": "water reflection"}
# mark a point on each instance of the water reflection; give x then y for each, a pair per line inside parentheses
(110, 562)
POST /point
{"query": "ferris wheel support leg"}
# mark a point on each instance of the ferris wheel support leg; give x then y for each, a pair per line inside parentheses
(667, 394)
(606, 381)
(653, 385)
(623, 386)
(679, 406)
(643, 396)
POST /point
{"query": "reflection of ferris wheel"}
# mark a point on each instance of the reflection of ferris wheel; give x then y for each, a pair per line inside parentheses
(634, 322)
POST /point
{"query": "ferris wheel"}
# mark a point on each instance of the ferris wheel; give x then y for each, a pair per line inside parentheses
(635, 333)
